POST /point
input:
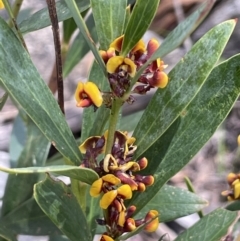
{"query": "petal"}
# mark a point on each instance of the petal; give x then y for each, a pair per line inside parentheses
(110, 178)
(130, 224)
(121, 218)
(117, 43)
(238, 140)
(132, 67)
(106, 55)
(153, 225)
(143, 162)
(139, 47)
(160, 79)
(236, 188)
(88, 143)
(96, 188)
(93, 93)
(125, 191)
(106, 238)
(231, 177)
(152, 47)
(114, 63)
(1, 5)
(108, 198)
(79, 92)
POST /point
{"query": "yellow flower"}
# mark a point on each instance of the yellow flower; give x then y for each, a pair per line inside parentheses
(160, 79)
(1, 5)
(96, 188)
(152, 46)
(108, 198)
(119, 63)
(117, 45)
(88, 94)
(125, 191)
(153, 225)
(106, 238)
(110, 178)
(236, 189)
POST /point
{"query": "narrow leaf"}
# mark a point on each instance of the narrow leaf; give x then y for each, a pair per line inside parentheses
(186, 80)
(3, 100)
(140, 20)
(109, 18)
(205, 113)
(213, 227)
(29, 219)
(27, 88)
(7, 234)
(173, 202)
(41, 18)
(60, 205)
(80, 173)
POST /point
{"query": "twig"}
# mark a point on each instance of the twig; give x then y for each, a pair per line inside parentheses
(55, 28)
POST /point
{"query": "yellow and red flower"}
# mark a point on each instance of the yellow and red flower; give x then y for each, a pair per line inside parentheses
(88, 94)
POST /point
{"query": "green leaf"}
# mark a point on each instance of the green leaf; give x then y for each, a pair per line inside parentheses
(27, 88)
(29, 219)
(173, 202)
(61, 206)
(198, 122)
(186, 80)
(18, 139)
(7, 234)
(233, 206)
(129, 122)
(85, 32)
(41, 18)
(140, 20)
(109, 18)
(34, 153)
(79, 48)
(213, 227)
(80, 173)
(3, 100)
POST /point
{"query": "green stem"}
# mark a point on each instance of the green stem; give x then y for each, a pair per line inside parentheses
(116, 106)
(191, 189)
(15, 10)
(13, 21)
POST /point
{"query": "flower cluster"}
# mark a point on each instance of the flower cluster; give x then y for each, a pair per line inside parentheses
(234, 183)
(121, 70)
(118, 180)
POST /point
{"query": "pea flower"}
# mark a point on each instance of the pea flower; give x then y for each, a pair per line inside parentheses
(234, 183)
(88, 94)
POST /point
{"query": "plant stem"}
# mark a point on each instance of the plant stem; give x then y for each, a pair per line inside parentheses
(15, 10)
(55, 28)
(191, 189)
(14, 23)
(116, 106)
